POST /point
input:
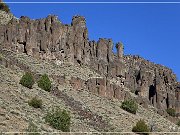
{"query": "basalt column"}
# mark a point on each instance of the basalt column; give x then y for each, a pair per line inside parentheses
(81, 37)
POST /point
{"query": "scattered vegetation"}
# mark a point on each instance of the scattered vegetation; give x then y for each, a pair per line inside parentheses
(35, 102)
(178, 123)
(4, 7)
(141, 127)
(32, 129)
(130, 106)
(171, 112)
(44, 83)
(59, 119)
(27, 80)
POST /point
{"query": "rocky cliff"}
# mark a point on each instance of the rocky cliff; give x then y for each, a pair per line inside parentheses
(155, 82)
(50, 40)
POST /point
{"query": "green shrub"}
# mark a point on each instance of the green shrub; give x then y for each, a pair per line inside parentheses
(1, 56)
(130, 106)
(32, 129)
(171, 112)
(4, 7)
(178, 123)
(27, 80)
(44, 83)
(141, 127)
(35, 102)
(59, 119)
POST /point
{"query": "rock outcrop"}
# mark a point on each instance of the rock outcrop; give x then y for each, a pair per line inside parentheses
(155, 82)
(49, 39)
(3, 15)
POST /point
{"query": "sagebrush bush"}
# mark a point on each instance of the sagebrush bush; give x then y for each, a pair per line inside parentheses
(35, 102)
(171, 112)
(141, 127)
(27, 80)
(178, 123)
(59, 119)
(130, 106)
(44, 83)
(4, 7)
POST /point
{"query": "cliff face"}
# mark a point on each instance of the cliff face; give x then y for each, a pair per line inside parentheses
(155, 82)
(51, 40)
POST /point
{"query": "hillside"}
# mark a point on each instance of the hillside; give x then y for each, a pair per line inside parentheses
(88, 79)
(14, 99)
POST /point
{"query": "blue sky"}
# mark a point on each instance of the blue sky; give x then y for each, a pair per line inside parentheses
(149, 30)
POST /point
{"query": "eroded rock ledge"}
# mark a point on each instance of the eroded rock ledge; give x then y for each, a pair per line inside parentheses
(49, 39)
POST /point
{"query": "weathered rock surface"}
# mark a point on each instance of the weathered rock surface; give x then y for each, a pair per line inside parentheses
(7, 16)
(49, 39)
(154, 82)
